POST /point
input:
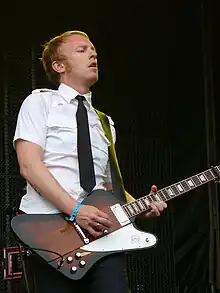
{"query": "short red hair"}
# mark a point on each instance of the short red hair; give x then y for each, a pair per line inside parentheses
(51, 53)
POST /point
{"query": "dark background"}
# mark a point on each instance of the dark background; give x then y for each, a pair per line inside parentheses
(159, 81)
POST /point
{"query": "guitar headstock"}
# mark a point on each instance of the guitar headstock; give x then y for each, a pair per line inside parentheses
(216, 171)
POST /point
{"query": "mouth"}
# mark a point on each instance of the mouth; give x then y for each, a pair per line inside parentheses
(93, 65)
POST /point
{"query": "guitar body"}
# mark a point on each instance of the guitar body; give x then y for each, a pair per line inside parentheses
(73, 251)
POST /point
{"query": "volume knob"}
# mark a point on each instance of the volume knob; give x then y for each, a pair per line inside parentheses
(73, 270)
(82, 263)
(78, 255)
(69, 259)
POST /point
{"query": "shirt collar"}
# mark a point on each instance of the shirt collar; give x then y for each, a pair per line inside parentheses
(69, 94)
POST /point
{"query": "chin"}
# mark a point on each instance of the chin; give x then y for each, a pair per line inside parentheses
(93, 80)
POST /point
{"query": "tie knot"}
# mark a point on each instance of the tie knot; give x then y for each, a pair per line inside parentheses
(80, 98)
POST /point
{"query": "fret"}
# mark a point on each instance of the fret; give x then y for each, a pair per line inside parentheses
(165, 193)
(153, 196)
(126, 210)
(144, 203)
(170, 192)
(147, 202)
(185, 185)
(202, 178)
(150, 199)
(157, 196)
(190, 183)
(180, 188)
(131, 210)
(209, 175)
(196, 180)
(205, 175)
(135, 207)
(218, 169)
(175, 189)
(140, 204)
(217, 172)
(161, 195)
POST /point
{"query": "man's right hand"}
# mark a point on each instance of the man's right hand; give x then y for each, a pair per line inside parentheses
(93, 220)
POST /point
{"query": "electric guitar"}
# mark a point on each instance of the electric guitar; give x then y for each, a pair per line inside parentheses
(73, 251)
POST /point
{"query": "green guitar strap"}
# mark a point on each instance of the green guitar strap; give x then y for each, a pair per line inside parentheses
(117, 181)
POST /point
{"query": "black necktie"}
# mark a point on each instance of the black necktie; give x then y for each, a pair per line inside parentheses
(86, 166)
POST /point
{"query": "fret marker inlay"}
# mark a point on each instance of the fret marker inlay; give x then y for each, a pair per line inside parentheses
(180, 188)
(202, 178)
(169, 190)
(191, 183)
(147, 201)
(140, 205)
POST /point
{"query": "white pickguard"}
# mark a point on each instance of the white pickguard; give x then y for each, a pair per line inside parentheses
(126, 238)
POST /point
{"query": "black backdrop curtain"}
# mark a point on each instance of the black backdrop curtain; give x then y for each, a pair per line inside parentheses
(152, 83)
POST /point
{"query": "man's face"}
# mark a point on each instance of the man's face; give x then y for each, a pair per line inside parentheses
(80, 60)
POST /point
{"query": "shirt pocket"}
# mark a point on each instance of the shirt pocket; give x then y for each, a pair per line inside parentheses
(61, 131)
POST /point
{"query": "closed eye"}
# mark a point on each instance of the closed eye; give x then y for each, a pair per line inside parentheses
(81, 49)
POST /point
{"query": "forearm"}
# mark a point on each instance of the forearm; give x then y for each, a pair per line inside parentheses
(44, 182)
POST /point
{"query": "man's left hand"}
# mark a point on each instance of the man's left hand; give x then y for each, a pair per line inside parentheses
(156, 207)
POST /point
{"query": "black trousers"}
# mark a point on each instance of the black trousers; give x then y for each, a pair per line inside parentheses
(108, 275)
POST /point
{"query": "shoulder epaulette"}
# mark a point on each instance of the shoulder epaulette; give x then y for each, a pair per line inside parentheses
(44, 90)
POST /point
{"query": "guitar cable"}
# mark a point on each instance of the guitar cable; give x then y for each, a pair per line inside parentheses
(60, 263)
(47, 250)
(24, 268)
(51, 251)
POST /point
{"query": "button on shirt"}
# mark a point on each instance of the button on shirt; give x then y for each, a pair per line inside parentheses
(48, 118)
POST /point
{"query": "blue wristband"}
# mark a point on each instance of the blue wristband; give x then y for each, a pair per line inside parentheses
(73, 216)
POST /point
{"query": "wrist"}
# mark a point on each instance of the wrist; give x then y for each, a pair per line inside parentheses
(73, 215)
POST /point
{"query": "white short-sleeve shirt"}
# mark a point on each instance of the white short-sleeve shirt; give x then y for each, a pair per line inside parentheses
(48, 118)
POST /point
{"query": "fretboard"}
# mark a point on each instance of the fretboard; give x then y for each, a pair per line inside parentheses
(142, 204)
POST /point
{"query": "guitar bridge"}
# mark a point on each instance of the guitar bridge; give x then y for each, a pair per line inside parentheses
(81, 233)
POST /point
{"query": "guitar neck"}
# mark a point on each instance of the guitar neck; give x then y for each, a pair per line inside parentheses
(142, 204)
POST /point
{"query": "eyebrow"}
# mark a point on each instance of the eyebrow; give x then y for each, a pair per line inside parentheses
(86, 46)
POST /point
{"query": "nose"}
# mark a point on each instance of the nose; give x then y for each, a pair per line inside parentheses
(93, 54)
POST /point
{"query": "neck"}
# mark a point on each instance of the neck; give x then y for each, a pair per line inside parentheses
(79, 87)
(142, 204)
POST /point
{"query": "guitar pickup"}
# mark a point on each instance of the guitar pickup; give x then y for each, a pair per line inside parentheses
(120, 214)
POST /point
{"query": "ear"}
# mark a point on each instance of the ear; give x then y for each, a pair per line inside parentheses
(58, 66)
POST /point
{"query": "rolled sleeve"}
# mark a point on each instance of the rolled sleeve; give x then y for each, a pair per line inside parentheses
(31, 121)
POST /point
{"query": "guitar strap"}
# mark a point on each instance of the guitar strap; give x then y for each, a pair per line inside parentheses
(117, 181)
